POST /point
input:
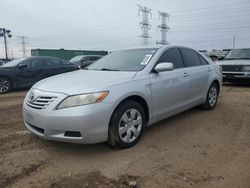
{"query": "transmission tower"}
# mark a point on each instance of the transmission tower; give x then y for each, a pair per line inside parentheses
(144, 24)
(164, 27)
(23, 42)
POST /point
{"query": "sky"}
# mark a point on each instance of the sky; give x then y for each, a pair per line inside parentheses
(114, 24)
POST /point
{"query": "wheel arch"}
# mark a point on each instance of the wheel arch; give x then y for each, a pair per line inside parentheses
(9, 78)
(10, 81)
(217, 83)
(139, 99)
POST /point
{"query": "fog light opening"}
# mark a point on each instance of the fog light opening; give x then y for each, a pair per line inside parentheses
(73, 134)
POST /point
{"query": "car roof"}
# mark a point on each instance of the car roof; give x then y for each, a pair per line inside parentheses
(46, 57)
(153, 46)
(89, 56)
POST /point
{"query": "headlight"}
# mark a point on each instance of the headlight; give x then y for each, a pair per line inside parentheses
(83, 99)
(221, 68)
(247, 68)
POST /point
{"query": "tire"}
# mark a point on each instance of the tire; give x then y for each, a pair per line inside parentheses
(5, 85)
(212, 97)
(127, 125)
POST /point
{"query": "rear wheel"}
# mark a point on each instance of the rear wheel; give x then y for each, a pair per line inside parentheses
(212, 97)
(127, 124)
(5, 85)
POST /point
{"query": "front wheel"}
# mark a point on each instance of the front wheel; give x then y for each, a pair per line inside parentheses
(5, 85)
(127, 124)
(212, 97)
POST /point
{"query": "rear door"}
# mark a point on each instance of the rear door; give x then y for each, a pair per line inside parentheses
(29, 75)
(169, 89)
(198, 71)
(57, 66)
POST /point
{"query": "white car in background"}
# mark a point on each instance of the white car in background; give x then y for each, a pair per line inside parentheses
(121, 94)
(236, 66)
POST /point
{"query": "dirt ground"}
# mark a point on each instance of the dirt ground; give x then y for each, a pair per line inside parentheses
(194, 149)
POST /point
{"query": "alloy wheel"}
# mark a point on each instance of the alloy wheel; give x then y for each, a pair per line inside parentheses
(4, 85)
(130, 125)
(212, 96)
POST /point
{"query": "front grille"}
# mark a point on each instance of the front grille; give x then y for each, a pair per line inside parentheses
(232, 68)
(41, 102)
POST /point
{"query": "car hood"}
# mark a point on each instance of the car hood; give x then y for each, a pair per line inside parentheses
(83, 81)
(235, 62)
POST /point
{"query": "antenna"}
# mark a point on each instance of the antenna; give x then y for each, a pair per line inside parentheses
(164, 27)
(144, 24)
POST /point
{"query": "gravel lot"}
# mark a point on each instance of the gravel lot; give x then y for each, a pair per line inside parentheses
(194, 149)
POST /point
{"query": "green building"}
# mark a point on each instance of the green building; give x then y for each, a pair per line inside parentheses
(64, 54)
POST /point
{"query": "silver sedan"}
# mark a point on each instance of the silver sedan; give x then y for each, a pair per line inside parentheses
(118, 96)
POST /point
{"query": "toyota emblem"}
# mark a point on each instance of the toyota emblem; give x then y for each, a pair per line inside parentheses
(31, 97)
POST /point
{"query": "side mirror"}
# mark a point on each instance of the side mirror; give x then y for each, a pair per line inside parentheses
(165, 66)
(22, 66)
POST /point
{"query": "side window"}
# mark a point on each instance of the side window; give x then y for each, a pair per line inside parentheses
(172, 55)
(203, 61)
(86, 59)
(95, 58)
(53, 62)
(34, 63)
(190, 57)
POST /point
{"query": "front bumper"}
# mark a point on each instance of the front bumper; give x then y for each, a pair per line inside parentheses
(229, 76)
(82, 124)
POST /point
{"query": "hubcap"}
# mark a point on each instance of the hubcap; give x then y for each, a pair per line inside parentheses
(212, 96)
(4, 85)
(130, 125)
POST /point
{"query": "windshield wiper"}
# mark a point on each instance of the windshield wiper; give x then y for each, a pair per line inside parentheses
(237, 58)
(105, 69)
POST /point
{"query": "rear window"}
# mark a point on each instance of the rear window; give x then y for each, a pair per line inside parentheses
(203, 61)
(190, 57)
(172, 55)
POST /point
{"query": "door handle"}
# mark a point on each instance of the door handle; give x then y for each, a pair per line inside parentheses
(209, 69)
(185, 74)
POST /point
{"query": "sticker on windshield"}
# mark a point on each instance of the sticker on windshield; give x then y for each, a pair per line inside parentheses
(146, 59)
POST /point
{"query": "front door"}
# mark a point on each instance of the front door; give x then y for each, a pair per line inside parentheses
(169, 89)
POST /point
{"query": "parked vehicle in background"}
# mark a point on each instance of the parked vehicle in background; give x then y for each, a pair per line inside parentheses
(120, 94)
(85, 60)
(236, 66)
(216, 55)
(24, 72)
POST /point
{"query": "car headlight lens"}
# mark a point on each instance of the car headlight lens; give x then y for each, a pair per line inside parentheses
(247, 68)
(83, 99)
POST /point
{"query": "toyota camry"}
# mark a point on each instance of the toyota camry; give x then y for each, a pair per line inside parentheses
(118, 96)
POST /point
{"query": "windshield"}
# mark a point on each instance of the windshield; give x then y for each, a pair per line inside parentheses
(238, 54)
(14, 63)
(125, 60)
(77, 58)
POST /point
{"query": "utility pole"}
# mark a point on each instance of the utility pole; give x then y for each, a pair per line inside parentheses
(234, 40)
(144, 24)
(5, 33)
(164, 27)
(23, 42)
